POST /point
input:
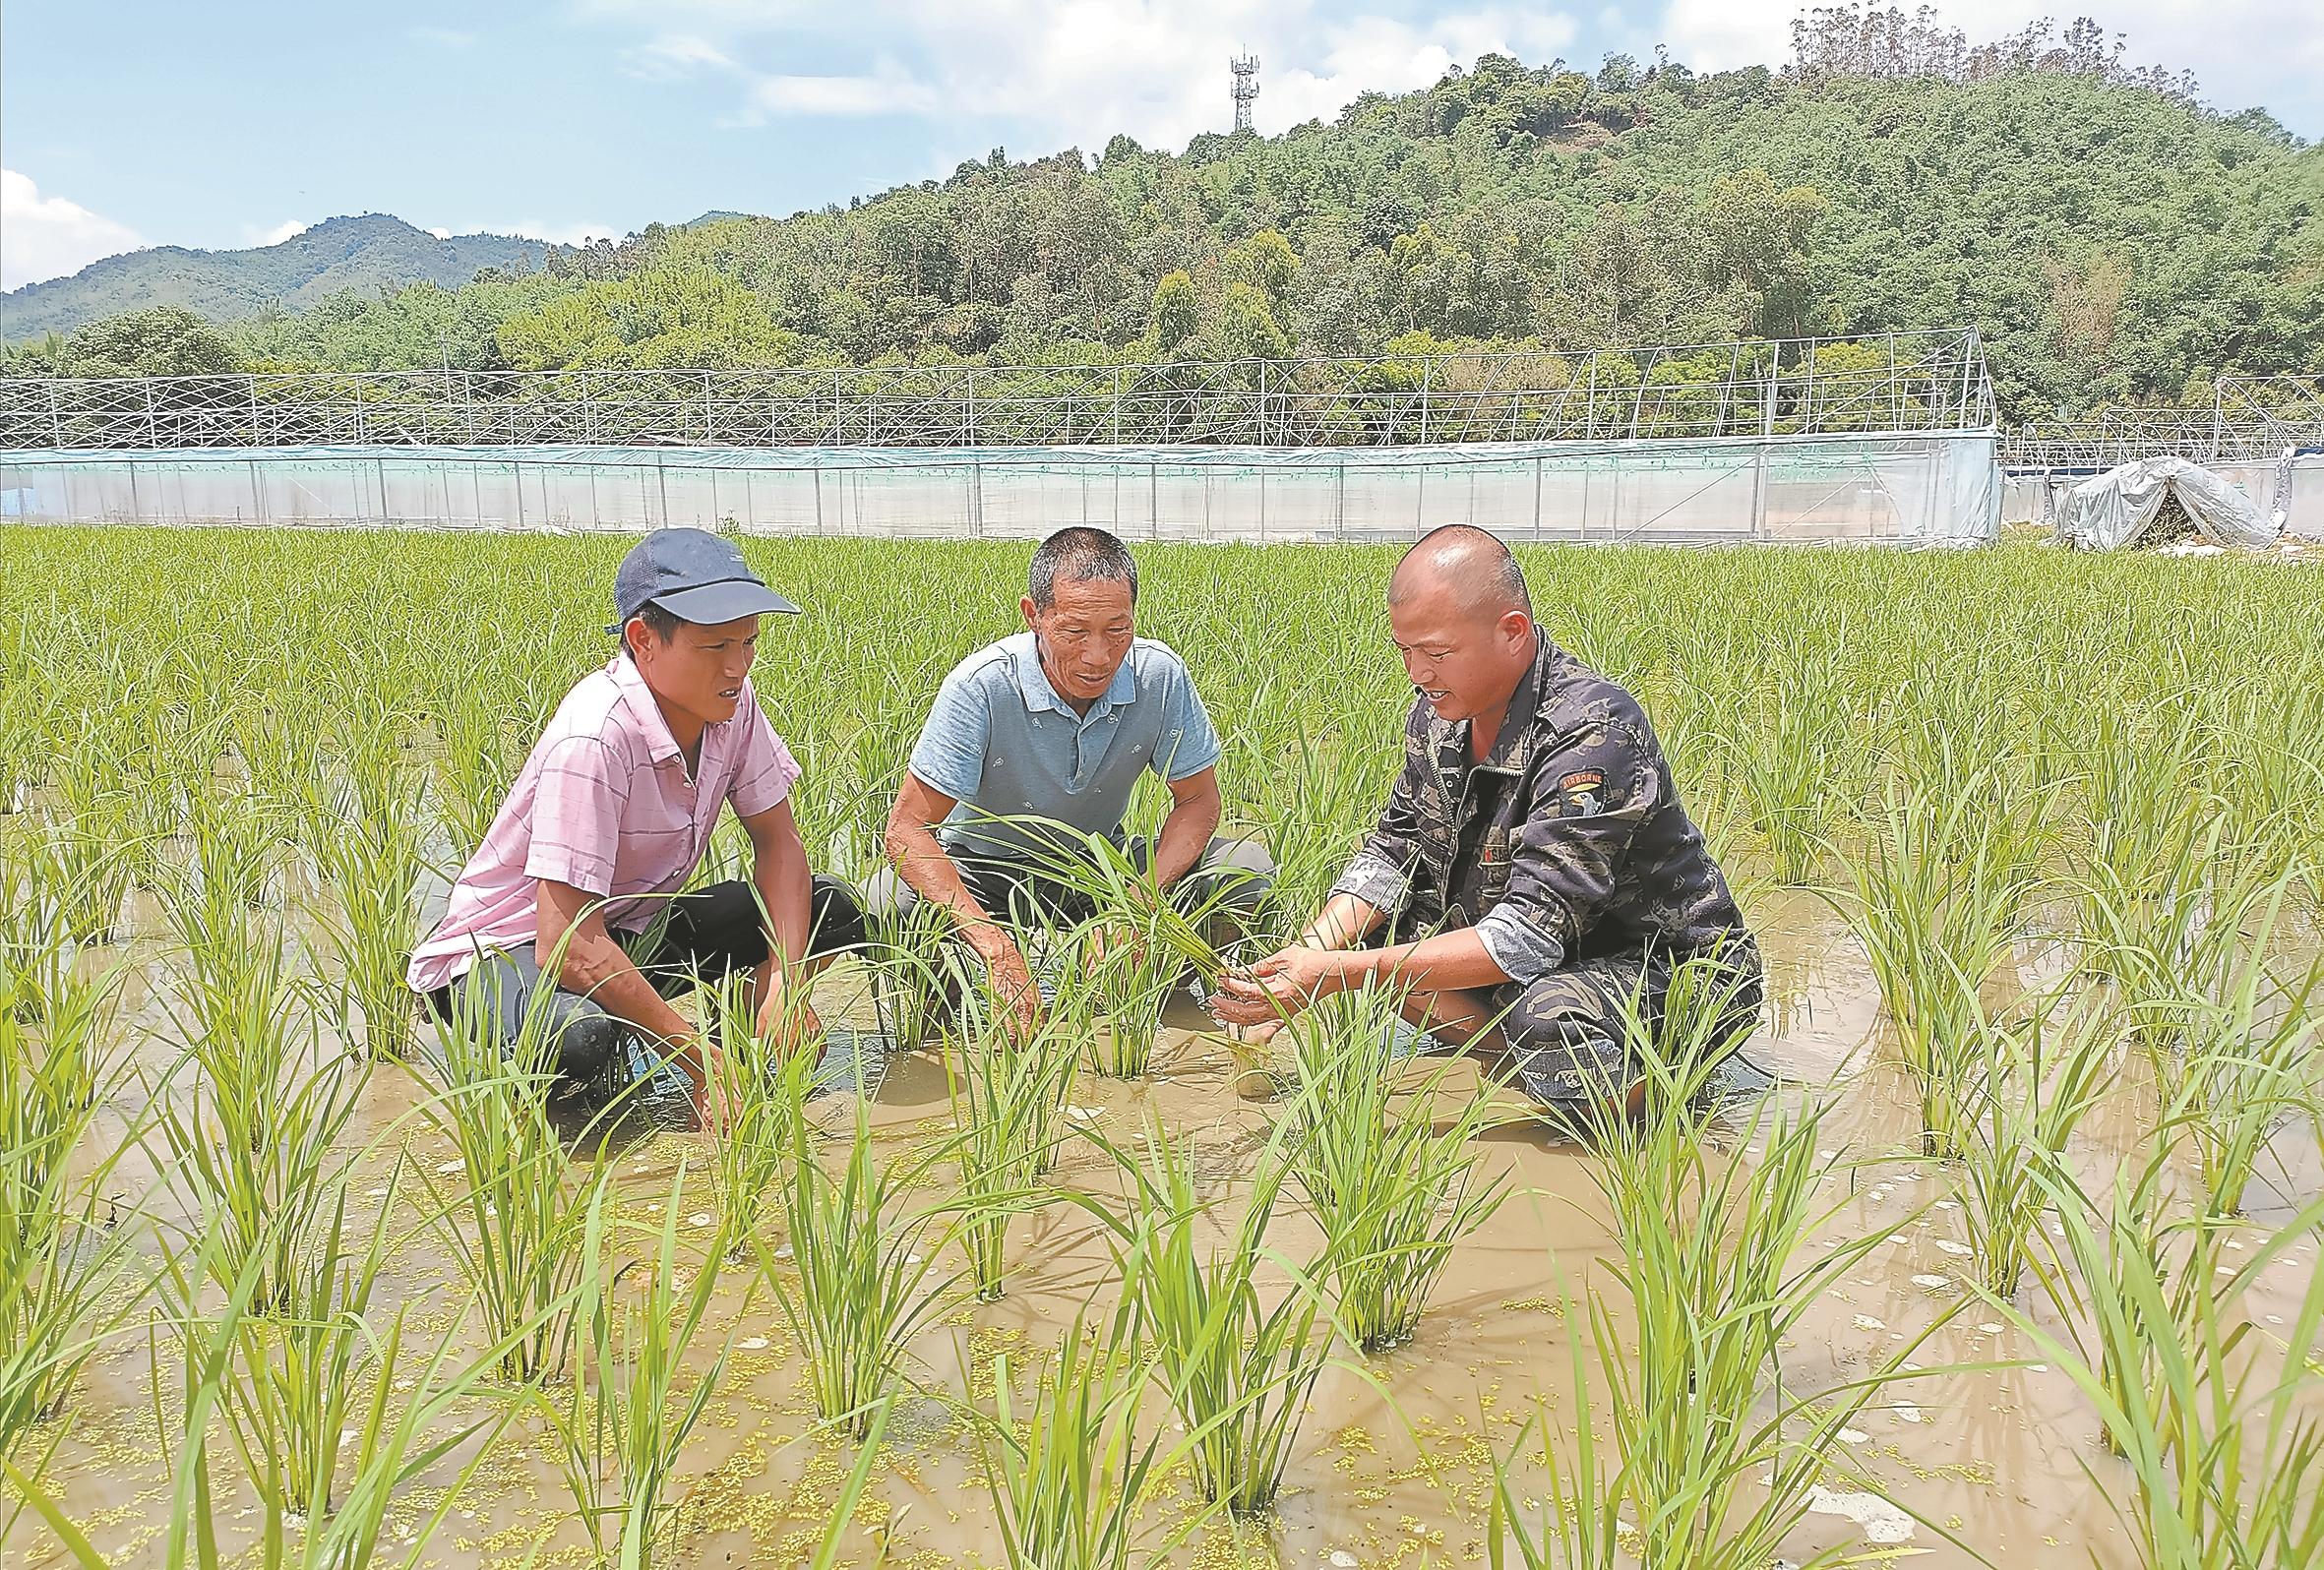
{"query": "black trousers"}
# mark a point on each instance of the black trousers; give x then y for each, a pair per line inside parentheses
(705, 935)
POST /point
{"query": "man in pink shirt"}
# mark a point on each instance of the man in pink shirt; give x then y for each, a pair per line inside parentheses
(610, 816)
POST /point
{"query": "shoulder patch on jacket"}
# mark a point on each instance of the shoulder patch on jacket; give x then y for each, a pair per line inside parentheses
(1583, 793)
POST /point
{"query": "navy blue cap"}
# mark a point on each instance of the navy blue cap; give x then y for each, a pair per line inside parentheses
(693, 575)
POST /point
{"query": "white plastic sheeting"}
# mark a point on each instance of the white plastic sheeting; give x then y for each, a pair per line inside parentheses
(2115, 508)
(1898, 489)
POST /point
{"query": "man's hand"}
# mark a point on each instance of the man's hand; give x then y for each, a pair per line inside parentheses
(1279, 986)
(1012, 979)
(697, 1058)
(787, 1018)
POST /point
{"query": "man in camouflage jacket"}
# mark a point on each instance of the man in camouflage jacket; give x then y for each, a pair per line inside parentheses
(1535, 872)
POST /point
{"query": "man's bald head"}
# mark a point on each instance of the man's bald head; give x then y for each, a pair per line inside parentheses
(1473, 568)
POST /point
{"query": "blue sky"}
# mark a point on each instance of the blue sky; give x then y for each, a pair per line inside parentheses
(132, 122)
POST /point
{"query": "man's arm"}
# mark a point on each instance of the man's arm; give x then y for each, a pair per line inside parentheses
(778, 872)
(1195, 811)
(921, 862)
(593, 965)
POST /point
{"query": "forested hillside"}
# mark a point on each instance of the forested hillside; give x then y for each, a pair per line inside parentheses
(330, 258)
(2114, 240)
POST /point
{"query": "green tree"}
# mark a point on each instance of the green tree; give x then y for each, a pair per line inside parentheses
(686, 316)
(1245, 328)
(1174, 318)
(167, 340)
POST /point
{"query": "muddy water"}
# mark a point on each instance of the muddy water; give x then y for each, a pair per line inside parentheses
(1393, 1462)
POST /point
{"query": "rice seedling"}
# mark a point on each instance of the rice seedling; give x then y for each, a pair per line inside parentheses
(761, 1089)
(1008, 1090)
(1783, 762)
(1307, 789)
(472, 765)
(1714, 1470)
(84, 860)
(2218, 1433)
(857, 1285)
(1068, 1472)
(256, 1134)
(66, 1254)
(623, 1417)
(522, 1225)
(1393, 1191)
(299, 1370)
(2039, 1077)
(385, 1449)
(58, 1055)
(1936, 898)
(371, 858)
(2249, 1030)
(1935, 703)
(1237, 1371)
(911, 959)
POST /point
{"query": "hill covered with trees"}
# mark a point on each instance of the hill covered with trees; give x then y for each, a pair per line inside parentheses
(366, 253)
(2114, 240)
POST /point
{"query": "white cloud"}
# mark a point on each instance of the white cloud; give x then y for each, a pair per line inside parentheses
(288, 228)
(672, 55)
(2242, 52)
(887, 91)
(47, 237)
(441, 234)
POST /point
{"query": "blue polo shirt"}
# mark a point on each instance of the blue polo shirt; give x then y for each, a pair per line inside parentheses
(1002, 743)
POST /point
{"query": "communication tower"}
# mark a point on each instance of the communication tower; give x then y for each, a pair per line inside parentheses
(1246, 88)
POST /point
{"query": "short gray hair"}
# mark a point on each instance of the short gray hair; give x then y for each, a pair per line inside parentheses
(1078, 555)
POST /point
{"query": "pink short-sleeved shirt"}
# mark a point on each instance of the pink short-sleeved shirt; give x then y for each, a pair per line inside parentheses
(605, 804)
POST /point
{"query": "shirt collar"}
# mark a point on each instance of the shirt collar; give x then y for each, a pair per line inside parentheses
(645, 713)
(1033, 682)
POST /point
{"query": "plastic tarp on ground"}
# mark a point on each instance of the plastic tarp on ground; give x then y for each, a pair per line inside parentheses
(1919, 488)
(2117, 508)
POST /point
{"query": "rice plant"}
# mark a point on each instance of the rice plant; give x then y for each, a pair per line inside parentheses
(1236, 1369)
(1008, 1090)
(66, 1256)
(255, 1136)
(2041, 1076)
(299, 1370)
(420, 1413)
(1782, 763)
(472, 766)
(84, 860)
(857, 1284)
(761, 1087)
(625, 1412)
(1715, 1469)
(1132, 949)
(1070, 1471)
(371, 855)
(58, 1055)
(2216, 1429)
(1393, 1191)
(1936, 898)
(519, 1222)
(2249, 1025)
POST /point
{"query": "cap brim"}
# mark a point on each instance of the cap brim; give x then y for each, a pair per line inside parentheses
(713, 603)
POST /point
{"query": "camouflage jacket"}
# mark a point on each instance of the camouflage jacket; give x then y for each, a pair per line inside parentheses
(1568, 842)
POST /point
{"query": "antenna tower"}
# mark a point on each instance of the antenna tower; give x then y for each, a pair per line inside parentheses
(1246, 88)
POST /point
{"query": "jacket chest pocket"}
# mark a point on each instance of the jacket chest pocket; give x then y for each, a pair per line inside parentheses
(1493, 867)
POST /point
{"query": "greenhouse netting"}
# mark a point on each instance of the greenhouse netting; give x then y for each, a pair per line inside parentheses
(1917, 488)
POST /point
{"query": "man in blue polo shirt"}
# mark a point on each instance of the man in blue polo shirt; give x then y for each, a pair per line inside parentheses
(1058, 722)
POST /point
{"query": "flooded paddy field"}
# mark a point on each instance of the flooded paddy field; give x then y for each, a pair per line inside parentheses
(2125, 927)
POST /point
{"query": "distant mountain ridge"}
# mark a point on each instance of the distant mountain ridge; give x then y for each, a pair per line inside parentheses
(373, 249)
